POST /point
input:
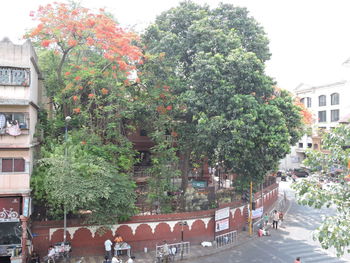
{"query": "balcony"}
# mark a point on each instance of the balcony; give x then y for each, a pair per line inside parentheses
(141, 173)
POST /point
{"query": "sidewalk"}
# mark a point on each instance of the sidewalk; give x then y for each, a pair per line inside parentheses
(197, 250)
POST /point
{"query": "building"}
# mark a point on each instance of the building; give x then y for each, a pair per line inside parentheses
(329, 105)
(20, 97)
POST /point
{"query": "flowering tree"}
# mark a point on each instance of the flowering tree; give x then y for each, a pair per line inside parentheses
(89, 64)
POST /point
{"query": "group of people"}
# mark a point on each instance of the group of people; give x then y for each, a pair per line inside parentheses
(276, 217)
(115, 257)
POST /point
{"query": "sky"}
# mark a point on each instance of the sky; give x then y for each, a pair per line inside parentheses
(309, 39)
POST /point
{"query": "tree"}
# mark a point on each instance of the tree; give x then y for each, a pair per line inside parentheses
(223, 105)
(334, 231)
(88, 61)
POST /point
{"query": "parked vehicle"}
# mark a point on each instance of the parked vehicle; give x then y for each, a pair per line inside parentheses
(284, 177)
(300, 172)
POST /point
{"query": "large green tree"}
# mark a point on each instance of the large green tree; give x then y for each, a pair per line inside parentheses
(334, 158)
(223, 106)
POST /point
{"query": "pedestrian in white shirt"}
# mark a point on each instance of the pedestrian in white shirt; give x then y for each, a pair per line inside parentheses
(108, 249)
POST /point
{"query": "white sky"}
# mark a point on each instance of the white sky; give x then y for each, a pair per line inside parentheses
(309, 39)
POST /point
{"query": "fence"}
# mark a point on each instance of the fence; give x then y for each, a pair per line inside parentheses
(176, 250)
(226, 239)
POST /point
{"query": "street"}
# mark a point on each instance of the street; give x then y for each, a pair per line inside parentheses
(292, 239)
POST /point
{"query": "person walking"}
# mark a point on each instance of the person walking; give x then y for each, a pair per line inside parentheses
(275, 219)
(297, 260)
(281, 216)
(165, 251)
(108, 249)
(266, 219)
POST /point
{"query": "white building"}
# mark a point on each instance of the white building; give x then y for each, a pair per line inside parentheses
(328, 105)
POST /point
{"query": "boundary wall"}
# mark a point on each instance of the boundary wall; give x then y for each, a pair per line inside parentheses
(147, 231)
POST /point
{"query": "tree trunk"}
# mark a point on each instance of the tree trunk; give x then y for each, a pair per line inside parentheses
(184, 167)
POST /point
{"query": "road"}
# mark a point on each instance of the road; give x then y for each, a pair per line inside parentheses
(293, 239)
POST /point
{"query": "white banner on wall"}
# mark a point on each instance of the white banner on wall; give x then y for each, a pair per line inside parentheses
(222, 213)
(257, 212)
(222, 225)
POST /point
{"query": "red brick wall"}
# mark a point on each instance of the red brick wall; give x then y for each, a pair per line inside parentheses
(86, 242)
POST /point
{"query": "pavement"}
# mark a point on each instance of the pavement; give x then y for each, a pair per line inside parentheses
(196, 250)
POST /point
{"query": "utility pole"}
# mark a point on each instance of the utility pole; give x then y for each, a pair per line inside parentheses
(251, 209)
(67, 119)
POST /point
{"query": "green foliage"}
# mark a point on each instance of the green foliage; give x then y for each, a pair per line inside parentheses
(334, 230)
(224, 105)
(84, 180)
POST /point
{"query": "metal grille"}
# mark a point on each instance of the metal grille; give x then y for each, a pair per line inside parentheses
(226, 239)
(14, 76)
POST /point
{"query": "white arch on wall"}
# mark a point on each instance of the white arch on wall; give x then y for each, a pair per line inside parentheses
(133, 226)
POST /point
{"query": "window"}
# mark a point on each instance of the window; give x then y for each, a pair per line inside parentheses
(335, 99)
(12, 165)
(143, 132)
(308, 102)
(322, 100)
(334, 115)
(322, 117)
(11, 118)
(309, 145)
(302, 101)
(300, 145)
(14, 76)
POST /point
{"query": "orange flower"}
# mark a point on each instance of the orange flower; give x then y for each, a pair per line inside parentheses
(84, 59)
(72, 42)
(90, 41)
(83, 142)
(162, 95)
(114, 67)
(174, 134)
(80, 87)
(75, 98)
(76, 110)
(169, 107)
(45, 43)
(104, 91)
(67, 73)
(91, 95)
(166, 88)
(77, 78)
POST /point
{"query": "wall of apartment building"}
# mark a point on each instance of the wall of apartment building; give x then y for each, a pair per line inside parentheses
(19, 96)
(342, 88)
(16, 182)
(297, 155)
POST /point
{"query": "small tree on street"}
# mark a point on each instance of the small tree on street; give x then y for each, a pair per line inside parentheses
(333, 159)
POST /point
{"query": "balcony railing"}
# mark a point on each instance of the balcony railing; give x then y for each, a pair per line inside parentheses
(14, 76)
(141, 171)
